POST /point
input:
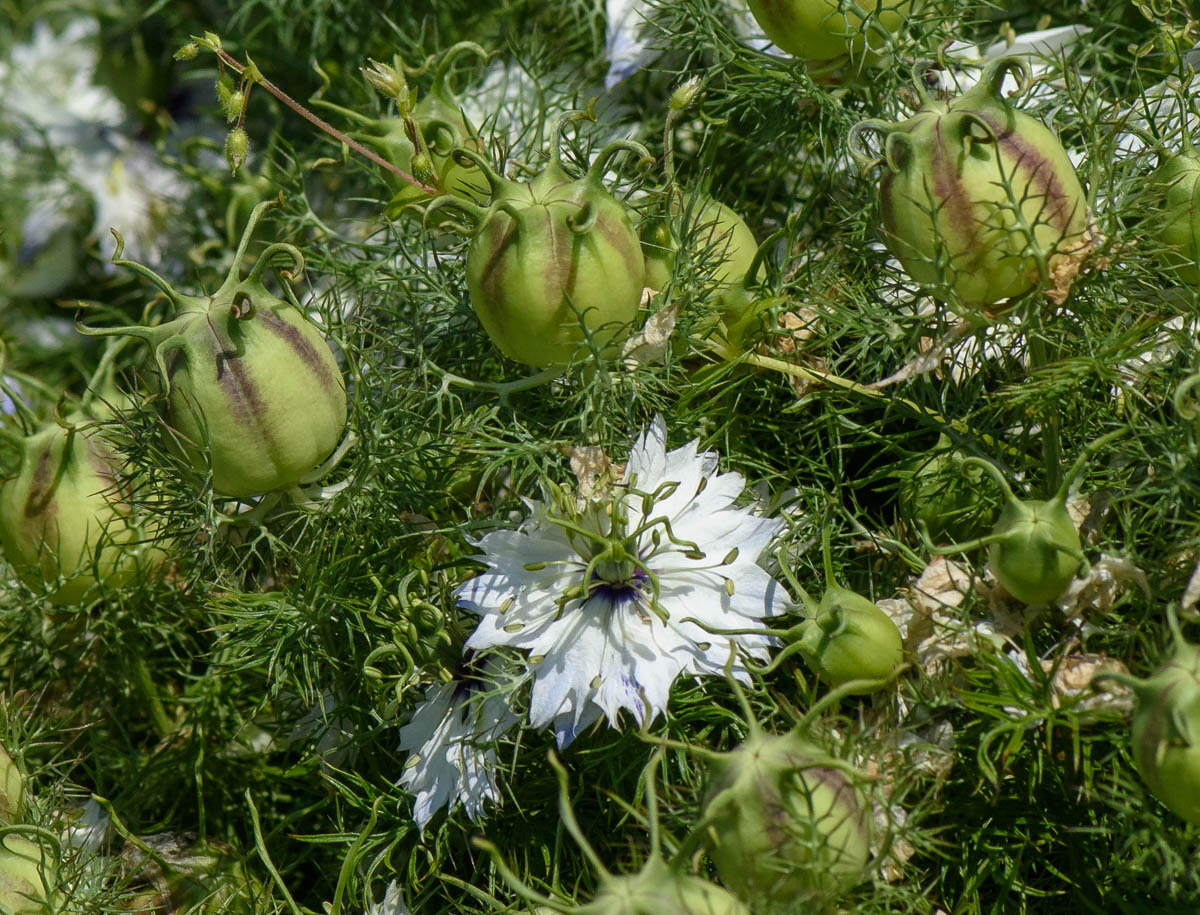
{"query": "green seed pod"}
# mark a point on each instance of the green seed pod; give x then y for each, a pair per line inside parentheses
(935, 491)
(64, 524)
(849, 638)
(551, 258)
(827, 29)
(1178, 181)
(789, 825)
(12, 790)
(716, 233)
(26, 868)
(253, 389)
(1034, 549)
(979, 200)
(1166, 726)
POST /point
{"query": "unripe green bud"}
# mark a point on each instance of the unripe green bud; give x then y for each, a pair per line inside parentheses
(850, 638)
(188, 51)
(12, 790)
(237, 146)
(684, 94)
(389, 81)
(232, 106)
(422, 169)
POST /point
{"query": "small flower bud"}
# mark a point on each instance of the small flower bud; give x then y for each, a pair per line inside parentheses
(685, 94)
(225, 89)
(188, 51)
(237, 144)
(422, 168)
(233, 104)
(387, 80)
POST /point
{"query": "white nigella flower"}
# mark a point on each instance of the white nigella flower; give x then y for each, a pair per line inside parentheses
(47, 83)
(451, 743)
(392, 902)
(131, 191)
(603, 596)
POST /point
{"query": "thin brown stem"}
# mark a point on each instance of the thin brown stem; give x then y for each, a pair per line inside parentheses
(328, 128)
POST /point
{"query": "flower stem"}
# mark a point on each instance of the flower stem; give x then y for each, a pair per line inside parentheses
(325, 126)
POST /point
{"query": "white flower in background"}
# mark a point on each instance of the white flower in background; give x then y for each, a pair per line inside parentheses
(88, 827)
(392, 902)
(602, 596)
(132, 192)
(626, 43)
(47, 84)
(451, 743)
(1038, 49)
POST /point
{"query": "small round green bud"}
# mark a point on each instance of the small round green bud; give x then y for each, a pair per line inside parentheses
(237, 147)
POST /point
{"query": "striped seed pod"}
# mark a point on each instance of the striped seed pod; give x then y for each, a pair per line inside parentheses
(253, 390)
(553, 261)
(979, 200)
(64, 524)
(1166, 726)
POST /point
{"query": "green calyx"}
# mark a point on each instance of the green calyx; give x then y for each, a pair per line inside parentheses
(979, 200)
(787, 822)
(554, 263)
(253, 390)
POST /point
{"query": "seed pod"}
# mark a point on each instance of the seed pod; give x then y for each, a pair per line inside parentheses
(935, 491)
(253, 389)
(551, 259)
(1034, 549)
(788, 823)
(12, 790)
(826, 29)
(1178, 181)
(716, 233)
(64, 524)
(979, 199)
(26, 868)
(849, 638)
(1166, 726)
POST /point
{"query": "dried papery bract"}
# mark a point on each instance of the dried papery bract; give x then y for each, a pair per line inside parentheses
(659, 888)
(253, 389)
(552, 262)
(1034, 549)
(1166, 726)
(979, 200)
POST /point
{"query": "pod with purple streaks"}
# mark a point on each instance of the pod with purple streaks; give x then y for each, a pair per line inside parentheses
(253, 390)
(979, 200)
(65, 525)
(552, 262)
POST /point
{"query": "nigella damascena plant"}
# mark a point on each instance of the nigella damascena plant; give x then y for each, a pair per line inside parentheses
(615, 599)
